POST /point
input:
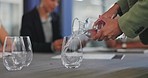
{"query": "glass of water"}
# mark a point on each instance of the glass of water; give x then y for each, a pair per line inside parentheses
(72, 52)
(28, 50)
(13, 53)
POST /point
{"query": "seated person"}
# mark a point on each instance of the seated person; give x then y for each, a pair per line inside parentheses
(128, 43)
(3, 34)
(42, 24)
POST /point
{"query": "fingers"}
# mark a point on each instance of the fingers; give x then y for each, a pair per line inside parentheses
(102, 19)
(99, 23)
(106, 28)
(97, 36)
(58, 48)
(58, 45)
(95, 23)
(101, 35)
(105, 20)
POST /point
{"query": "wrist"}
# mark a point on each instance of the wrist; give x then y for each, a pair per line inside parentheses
(114, 10)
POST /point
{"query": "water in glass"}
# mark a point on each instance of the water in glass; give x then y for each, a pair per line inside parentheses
(72, 53)
(13, 53)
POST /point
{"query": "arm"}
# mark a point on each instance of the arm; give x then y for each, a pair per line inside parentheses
(133, 22)
(121, 7)
(125, 5)
(111, 13)
(3, 34)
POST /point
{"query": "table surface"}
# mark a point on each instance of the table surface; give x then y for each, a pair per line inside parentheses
(43, 66)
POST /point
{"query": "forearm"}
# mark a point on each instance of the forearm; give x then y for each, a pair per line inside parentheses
(116, 7)
(3, 34)
(134, 21)
(112, 12)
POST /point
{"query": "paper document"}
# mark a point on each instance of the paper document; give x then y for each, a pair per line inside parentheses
(131, 50)
(98, 49)
(97, 56)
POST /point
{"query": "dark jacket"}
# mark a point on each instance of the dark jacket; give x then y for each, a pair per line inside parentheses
(32, 26)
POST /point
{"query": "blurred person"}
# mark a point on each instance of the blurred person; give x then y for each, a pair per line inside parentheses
(133, 21)
(128, 44)
(3, 34)
(42, 24)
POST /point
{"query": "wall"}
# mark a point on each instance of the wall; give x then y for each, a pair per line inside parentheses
(10, 14)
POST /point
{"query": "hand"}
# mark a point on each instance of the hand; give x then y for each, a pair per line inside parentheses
(57, 45)
(92, 32)
(110, 30)
(111, 13)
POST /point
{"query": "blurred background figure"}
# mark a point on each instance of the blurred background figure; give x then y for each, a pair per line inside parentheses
(127, 44)
(42, 24)
(3, 34)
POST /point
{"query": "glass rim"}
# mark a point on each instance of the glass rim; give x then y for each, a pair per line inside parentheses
(16, 36)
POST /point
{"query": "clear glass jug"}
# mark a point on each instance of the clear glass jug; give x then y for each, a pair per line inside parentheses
(72, 47)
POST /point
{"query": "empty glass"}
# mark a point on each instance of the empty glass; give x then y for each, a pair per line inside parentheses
(28, 50)
(72, 53)
(13, 53)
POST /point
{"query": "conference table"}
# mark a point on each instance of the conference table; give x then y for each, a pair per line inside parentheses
(133, 65)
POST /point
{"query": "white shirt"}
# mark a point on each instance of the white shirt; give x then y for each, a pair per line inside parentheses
(47, 28)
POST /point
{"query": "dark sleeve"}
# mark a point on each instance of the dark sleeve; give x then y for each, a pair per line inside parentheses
(27, 29)
(120, 12)
(57, 30)
(42, 47)
(144, 37)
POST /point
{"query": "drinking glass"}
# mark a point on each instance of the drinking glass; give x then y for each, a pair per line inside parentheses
(28, 50)
(13, 53)
(72, 52)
